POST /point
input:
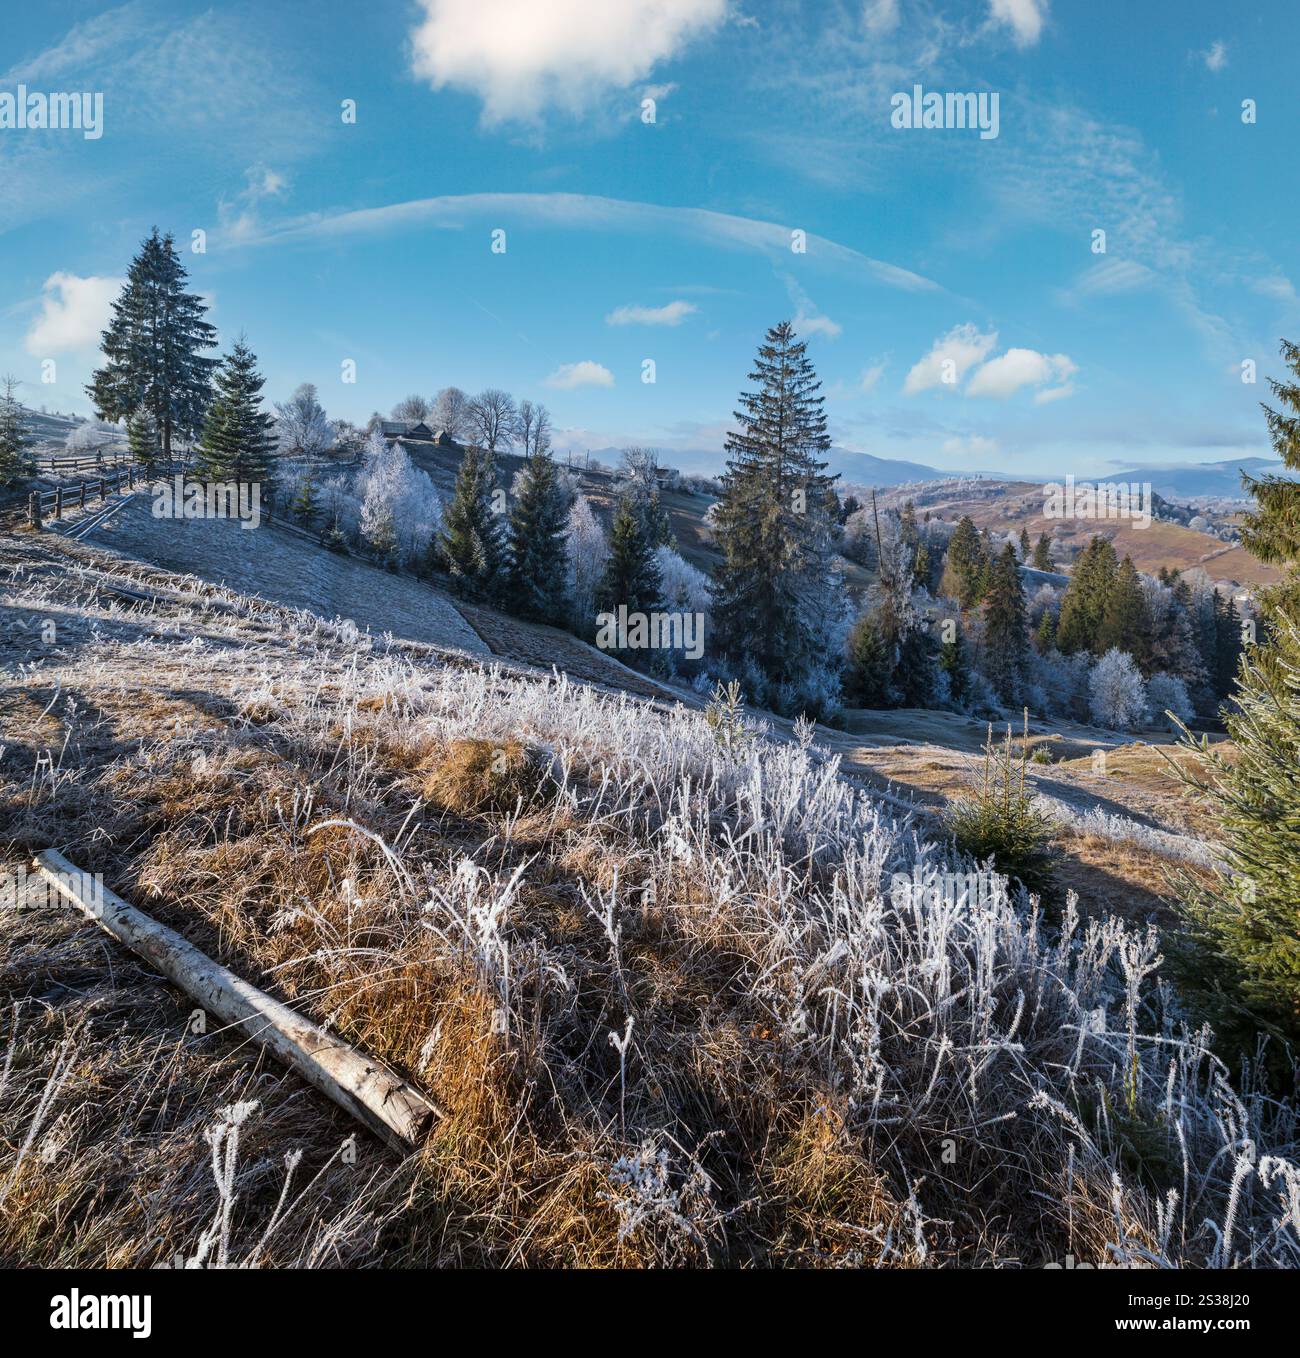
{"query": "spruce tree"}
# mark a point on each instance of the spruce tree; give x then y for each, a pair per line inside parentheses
(153, 348)
(1085, 598)
(142, 440)
(1045, 637)
(869, 664)
(964, 571)
(1272, 531)
(538, 525)
(1125, 621)
(1006, 640)
(1043, 554)
(306, 504)
(238, 442)
(471, 546)
(1243, 962)
(1025, 549)
(631, 576)
(954, 663)
(16, 441)
(774, 521)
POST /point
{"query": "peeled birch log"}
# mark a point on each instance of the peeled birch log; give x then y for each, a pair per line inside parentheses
(372, 1093)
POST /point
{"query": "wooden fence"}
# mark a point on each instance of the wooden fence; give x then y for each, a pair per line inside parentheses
(50, 504)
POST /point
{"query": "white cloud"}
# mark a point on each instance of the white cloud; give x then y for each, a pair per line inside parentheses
(672, 313)
(962, 348)
(1111, 276)
(519, 56)
(871, 377)
(1023, 17)
(590, 212)
(1003, 376)
(1217, 56)
(880, 16)
(1277, 285)
(806, 324)
(74, 312)
(585, 374)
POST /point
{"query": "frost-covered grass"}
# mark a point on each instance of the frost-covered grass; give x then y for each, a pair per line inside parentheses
(673, 1009)
(1123, 829)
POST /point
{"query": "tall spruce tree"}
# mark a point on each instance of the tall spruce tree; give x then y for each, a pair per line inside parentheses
(153, 348)
(238, 442)
(1043, 554)
(16, 440)
(471, 545)
(1025, 549)
(1006, 638)
(538, 526)
(1084, 602)
(631, 576)
(774, 521)
(1243, 962)
(1125, 620)
(966, 567)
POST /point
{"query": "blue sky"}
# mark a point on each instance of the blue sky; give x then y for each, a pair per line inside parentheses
(627, 240)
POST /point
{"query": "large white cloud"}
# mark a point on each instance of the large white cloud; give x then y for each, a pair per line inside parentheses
(1023, 17)
(521, 55)
(1003, 376)
(74, 312)
(962, 347)
(584, 374)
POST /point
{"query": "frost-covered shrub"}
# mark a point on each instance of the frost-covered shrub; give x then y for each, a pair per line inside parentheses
(400, 510)
(586, 551)
(1168, 693)
(1063, 682)
(1117, 695)
(685, 588)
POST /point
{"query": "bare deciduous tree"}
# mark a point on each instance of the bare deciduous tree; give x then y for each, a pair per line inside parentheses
(533, 424)
(411, 409)
(451, 414)
(492, 418)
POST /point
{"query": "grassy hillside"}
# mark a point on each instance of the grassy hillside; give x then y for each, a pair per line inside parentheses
(1010, 506)
(663, 985)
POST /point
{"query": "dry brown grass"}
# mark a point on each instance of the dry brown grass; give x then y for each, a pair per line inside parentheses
(474, 776)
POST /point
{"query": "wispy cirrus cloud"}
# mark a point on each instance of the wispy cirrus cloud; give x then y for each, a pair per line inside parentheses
(592, 212)
(671, 313)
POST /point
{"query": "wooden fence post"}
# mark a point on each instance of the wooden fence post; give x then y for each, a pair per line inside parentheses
(58, 503)
(34, 510)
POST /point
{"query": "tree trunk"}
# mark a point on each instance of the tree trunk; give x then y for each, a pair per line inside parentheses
(374, 1095)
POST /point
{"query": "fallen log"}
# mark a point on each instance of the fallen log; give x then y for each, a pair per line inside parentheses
(364, 1087)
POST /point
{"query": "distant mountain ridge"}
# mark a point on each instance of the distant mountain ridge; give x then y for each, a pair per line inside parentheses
(1190, 479)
